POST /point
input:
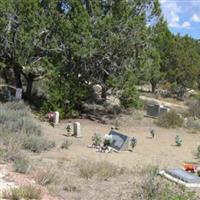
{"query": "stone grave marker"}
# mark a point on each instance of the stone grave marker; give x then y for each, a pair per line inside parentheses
(56, 118)
(155, 110)
(120, 142)
(18, 94)
(181, 177)
(77, 129)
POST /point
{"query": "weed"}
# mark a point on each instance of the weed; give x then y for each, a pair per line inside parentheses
(23, 192)
(66, 144)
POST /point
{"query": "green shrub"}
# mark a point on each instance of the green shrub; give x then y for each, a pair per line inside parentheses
(170, 120)
(96, 139)
(21, 165)
(66, 144)
(126, 84)
(23, 192)
(37, 144)
(67, 98)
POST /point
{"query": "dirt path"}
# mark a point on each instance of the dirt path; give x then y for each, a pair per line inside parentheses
(165, 103)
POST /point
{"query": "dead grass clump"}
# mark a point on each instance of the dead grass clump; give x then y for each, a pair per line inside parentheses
(66, 144)
(102, 170)
(13, 148)
(23, 192)
(170, 120)
(47, 175)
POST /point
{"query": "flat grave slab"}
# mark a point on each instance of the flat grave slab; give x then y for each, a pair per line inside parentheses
(182, 177)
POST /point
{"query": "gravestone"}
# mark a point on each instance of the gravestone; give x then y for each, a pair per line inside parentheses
(153, 110)
(56, 118)
(18, 94)
(120, 142)
(164, 109)
(184, 176)
(77, 129)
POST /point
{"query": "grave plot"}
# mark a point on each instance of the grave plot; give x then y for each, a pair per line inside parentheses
(114, 141)
(181, 177)
(120, 142)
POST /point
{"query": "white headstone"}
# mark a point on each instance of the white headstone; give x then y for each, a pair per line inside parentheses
(56, 118)
(77, 129)
(18, 94)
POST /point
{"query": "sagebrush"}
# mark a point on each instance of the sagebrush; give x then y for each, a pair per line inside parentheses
(170, 120)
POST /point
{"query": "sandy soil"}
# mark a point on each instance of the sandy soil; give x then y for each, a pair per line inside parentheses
(158, 151)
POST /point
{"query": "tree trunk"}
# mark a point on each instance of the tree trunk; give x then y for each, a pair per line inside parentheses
(17, 74)
(29, 87)
(153, 87)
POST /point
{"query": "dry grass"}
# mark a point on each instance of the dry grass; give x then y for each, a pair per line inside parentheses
(170, 120)
(102, 170)
(23, 192)
(47, 175)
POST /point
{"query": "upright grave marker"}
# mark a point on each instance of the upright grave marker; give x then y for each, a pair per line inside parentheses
(77, 129)
(56, 118)
(120, 142)
(18, 94)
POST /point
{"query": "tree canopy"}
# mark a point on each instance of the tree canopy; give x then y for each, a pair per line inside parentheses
(71, 45)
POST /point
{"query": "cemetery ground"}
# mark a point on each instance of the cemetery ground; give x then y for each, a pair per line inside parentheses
(76, 172)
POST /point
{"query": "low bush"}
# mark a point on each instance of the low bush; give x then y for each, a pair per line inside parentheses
(23, 192)
(15, 121)
(37, 144)
(102, 170)
(66, 144)
(194, 108)
(17, 106)
(21, 165)
(170, 120)
(193, 123)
